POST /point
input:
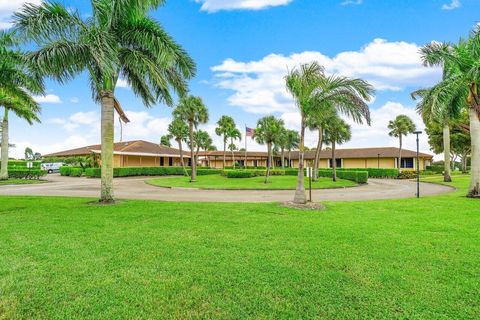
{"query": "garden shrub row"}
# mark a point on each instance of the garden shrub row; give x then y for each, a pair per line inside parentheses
(71, 171)
(149, 171)
(435, 168)
(26, 174)
(356, 176)
(376, 172)
(22, 164)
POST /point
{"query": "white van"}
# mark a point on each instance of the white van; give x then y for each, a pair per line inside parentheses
(52, 167)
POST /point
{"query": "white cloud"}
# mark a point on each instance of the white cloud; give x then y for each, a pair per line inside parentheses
(351, 2)
(455, 4)
(90, 119)
(49, 98)
(7, 7)
(217, 5)
(74, 100)
(70, 142)
(143, 125)
(122, 83)
(259, 86)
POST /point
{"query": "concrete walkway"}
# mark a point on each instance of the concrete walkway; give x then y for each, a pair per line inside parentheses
(136, 188)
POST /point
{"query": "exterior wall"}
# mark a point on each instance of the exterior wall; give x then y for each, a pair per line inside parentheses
(144, 161)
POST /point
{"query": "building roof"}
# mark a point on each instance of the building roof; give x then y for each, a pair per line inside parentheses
(383, 152)
(362, 153)
(136, 147)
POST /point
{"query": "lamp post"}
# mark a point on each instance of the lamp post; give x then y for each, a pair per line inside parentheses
(418, 133)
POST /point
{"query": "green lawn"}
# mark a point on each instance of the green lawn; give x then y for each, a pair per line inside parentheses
(20, 181)
(63, 258)
(256, 183)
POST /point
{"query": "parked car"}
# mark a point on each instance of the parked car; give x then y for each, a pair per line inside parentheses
(52, 167)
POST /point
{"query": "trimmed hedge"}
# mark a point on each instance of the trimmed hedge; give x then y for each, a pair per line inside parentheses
(375, 172)
(76, 172)
(26, 173)
(71, 171)
(357, 176)
(243, 168)
(436, 168)
(22, 164)
(149, 171)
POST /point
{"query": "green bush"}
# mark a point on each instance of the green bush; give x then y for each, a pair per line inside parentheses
(240, 174)
(436, 168)
(149, 171)
(407, 175)
(240, 167)
(357, 176)
(22, 164)
(65, 171)
(376, 172)
(76, 172)
(26, 173)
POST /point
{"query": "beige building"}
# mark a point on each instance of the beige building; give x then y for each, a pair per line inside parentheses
(141, 153)
(137, 153)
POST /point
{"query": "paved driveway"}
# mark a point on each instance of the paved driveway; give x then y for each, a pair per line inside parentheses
(136, 188)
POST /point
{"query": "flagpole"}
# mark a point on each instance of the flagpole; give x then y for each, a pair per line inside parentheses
(246, 138)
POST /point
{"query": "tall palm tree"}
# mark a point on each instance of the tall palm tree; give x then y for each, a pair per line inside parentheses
(267, 132)
(224, 124)
(292, 141)
(233, 134)
(317, 121)
(18, 79)
(281, 144)
(337, 132)
(444, 115)
(192, 110)
(401, 126)
(118, 40)
(461, 84)
(178, 129)
(165, 140)
(312, 91)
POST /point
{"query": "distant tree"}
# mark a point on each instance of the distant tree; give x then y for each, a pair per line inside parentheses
(178, 129)
(337, 132)
(192, 110)
(292, 141)
(224, 126)
(165, 140)
(32, 156)
(401, 126)
(233, 134)
(267, 132)
(202, 141)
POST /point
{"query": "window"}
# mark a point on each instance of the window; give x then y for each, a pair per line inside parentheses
(170, 162)
(337, 161)
(407, 163)
(162, 161)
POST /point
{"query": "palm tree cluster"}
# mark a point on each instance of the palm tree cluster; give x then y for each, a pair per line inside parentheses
(457, 91)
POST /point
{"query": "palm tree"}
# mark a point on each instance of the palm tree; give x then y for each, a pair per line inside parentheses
(165, 140)
(401, 126)
(313, 91)
(267, 132)
(460, 85)
(192, 110)
(337, 132)
(18, 79)
(318, 121)
(292, 141)
(224, 124)
(281, 144)
(233, 134)
(178, 129)
(444, 115)
(202, 140)
(118, 40)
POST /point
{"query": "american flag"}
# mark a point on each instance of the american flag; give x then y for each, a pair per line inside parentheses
(249, 132)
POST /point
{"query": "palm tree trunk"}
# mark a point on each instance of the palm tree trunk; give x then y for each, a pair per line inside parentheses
(224, 152)
(474, 189)
(300, 196)
(193, 177)
(4, 152)
(106, 193)
(180, 148)
(289, 158)
(446, 152)
(283, 158)
(233, 155)
(269, 152)
(400, 155)
(316, 162)
(334, 162)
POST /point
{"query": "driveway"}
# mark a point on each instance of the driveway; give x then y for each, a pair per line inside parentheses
(136, 188)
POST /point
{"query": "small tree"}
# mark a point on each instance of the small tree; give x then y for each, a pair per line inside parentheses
(401, 126)
(292, 141)
(224, 125)
(267, 131)
(337, 132)
(178, 129)
(192, 110)
(233, 134)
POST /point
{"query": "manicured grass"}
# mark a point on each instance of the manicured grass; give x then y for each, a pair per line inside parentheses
(256, 183)
(63, 258)
(20, 181)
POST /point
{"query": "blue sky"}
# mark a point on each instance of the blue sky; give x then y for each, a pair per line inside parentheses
(243, 48)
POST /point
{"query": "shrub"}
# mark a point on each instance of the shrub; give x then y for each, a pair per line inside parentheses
(240, 174)
(65, 171)
(22, 164)
(356, 176)
(376, 172)
(76, 172)
(407, 175)
(435, 168)
(149, 171)
(26, 173)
